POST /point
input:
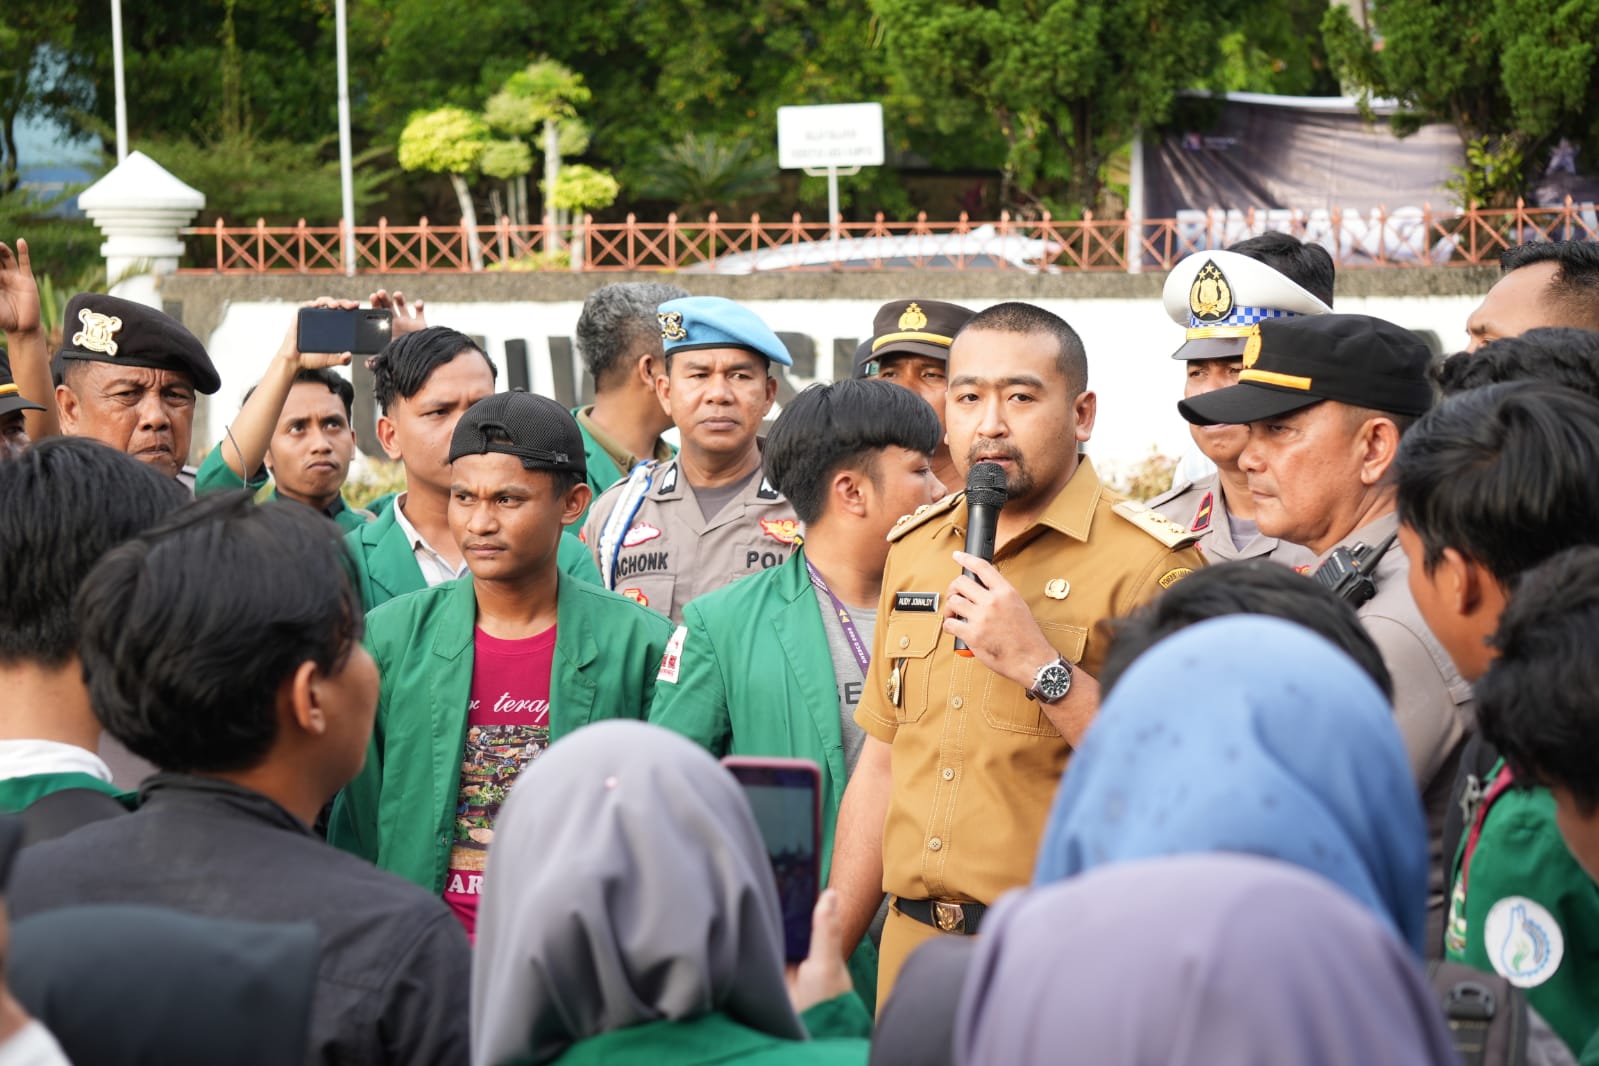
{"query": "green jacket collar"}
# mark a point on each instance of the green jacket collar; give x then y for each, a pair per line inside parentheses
(390, 559)
(574, 637)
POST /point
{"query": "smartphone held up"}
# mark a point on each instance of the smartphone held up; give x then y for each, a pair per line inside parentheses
(785, 795)
(360, 331)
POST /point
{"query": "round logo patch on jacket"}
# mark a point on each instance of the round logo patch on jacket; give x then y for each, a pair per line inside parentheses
(1523, 941)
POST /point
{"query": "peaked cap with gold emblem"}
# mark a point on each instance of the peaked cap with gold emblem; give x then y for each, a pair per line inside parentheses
(11, 398)
(911, 327)
(1218, 297)
(106, 329)
(1293, 363)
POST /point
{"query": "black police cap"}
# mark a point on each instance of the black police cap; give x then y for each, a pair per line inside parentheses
(913, 327)
(106, 329)
(11, 398)
(535, 429)
(1292, 363)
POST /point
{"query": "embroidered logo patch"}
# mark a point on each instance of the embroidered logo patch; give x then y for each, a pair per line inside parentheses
(1523, 941)
(672, 660)
(99, 332)
(672, 326)
(782, 530)
(640, 534)
(1174, 575)
(637, 596)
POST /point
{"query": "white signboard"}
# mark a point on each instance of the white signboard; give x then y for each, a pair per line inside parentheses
(830, 135)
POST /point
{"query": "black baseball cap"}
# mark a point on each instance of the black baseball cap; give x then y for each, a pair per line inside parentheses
(1293, 363)
(911, 327)
(11, 398)
(107, 329)
(535, 429)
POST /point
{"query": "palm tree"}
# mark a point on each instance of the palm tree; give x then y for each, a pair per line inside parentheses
(702, 174)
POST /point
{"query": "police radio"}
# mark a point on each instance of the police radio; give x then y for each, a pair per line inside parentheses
(1347, 571)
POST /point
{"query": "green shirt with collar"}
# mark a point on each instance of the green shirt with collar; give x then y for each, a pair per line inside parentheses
(399, 811)
(755, 677)
(606, 460)
(215, 475)
(385, 563)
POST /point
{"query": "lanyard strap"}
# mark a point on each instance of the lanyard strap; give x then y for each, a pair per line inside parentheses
(863, 655)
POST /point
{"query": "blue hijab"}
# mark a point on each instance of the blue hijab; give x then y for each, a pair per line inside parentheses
(1248, 734)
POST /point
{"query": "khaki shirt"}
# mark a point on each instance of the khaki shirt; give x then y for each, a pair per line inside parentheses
(670, 554)
(1433, 704)
(1201, 506)
(975, 762)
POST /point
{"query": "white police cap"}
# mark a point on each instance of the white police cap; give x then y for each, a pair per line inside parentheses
(1220, 297)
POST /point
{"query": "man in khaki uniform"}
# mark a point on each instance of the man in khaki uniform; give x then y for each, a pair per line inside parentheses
(1326, 400)
(1219, 297)
(909, 346)
(672, 531)
(963, 754)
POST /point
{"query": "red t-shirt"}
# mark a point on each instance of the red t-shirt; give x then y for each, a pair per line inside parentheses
(508, 725)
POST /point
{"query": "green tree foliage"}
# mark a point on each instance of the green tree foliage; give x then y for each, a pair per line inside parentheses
(1509, 75)
(700, 174)
(582, 188)
(450, 141)
(1067, 80)
(37, 76)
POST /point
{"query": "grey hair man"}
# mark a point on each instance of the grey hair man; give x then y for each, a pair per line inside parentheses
(619, 338)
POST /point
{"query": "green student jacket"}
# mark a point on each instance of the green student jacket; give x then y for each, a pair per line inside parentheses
(398, 812)
(385, 566)
(19, 793)
(756, 678)
(838, 1030)
(215, 475)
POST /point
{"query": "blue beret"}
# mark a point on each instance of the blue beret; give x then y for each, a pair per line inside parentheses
(692, 322)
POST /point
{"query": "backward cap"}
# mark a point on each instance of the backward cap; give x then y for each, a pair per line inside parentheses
(1218, 297)
(107, 329)
(1293, 363)
(690, 323)
(535, 429)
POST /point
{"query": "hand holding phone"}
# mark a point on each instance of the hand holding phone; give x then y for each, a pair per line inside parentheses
(785, 796)
(358, 330)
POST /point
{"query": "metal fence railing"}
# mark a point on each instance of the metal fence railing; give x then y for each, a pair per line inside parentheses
(1410, 236)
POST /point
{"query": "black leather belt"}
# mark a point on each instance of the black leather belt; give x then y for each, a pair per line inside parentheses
(961, 919)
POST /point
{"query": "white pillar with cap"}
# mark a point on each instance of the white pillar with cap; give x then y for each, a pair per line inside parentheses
(142, 209)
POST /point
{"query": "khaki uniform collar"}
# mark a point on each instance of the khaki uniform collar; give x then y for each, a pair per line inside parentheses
(1372, 534)
(1071, 511)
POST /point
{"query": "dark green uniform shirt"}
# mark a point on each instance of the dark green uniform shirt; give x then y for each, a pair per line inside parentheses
(216, 476)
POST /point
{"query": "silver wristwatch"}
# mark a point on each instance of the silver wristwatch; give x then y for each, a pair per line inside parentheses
(1052, 682)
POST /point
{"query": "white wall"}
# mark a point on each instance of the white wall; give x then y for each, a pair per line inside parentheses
(1128, 341)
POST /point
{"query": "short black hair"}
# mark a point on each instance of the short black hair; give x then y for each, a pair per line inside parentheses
(1574, 289)
(1536, 704)
(1502, 474)
(618, 320)
(187, 631)
(1558, 354)
(1246, 586)
(1305, 264)
(335, 383)
(1016, 317)
(402, 369)
(829, 427)
(67, 501)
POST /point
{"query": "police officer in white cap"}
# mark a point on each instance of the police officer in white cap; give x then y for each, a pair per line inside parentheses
(1219, 297)
(674, 530)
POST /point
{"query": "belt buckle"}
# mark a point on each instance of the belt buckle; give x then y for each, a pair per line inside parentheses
(951, 917)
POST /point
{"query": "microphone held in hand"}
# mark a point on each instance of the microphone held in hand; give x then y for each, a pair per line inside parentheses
(985, 497)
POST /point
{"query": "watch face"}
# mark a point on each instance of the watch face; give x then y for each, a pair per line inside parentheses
(1054, 681)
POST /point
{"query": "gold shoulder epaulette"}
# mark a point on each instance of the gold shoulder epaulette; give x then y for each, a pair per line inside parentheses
(1157, 525)
(923, 514)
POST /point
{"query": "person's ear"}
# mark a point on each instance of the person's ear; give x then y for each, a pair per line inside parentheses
(850, 492)
(266, 461)
(644, 374)
(1085, 408)
(575, 502)
(304, 699)
(1378, 444)
(67, 409)
(663, 390)
(388, 437)
(1472, 588)
(771, 394)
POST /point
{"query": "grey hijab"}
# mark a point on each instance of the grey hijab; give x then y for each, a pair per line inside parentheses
(627, 884)
(1194, 961)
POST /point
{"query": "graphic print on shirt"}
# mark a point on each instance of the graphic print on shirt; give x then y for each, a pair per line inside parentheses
(508, 727)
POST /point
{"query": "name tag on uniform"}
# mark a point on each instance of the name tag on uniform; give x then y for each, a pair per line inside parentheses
(916, 601)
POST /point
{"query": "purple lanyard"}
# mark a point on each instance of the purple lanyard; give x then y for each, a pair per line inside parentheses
(863, 655)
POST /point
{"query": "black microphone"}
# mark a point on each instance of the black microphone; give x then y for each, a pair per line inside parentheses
(985, 498)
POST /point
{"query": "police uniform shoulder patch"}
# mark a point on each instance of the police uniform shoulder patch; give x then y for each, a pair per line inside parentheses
(1174, 575)
(1163, 529)
(767, 491)
(922, 515)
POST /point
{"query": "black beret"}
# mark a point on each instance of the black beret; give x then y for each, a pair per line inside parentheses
(106, 329)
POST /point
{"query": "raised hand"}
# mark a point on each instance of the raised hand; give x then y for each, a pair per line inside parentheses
(19, 293)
